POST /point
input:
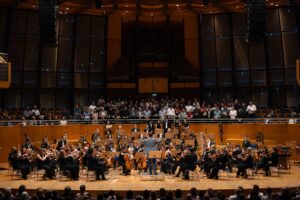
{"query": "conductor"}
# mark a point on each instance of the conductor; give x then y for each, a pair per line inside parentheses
(150, 144)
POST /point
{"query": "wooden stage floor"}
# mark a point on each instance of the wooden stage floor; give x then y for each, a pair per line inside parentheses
(136, 182)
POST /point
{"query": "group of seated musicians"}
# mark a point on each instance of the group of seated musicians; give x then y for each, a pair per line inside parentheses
(142, 152)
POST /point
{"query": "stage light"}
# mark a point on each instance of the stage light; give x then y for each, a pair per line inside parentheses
(98, 4)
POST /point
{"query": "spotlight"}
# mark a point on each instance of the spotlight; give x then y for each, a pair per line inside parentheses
(98, 4)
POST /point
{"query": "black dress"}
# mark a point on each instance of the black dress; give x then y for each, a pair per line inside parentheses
(95, 164)
(71, 165)
(48, 166)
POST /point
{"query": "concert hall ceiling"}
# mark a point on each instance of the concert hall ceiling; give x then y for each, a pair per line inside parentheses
(148, 7)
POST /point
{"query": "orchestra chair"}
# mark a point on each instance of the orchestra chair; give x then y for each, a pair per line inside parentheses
(90, 172)
(249, 172)
(175, 131)
(158, 131)
(189, 142)
(275, 170)
(114, 171)
(14, 173)
(176, 141)
(293, 146)
(224, 172)
(60, 173)
(196, 173)
(38, 173)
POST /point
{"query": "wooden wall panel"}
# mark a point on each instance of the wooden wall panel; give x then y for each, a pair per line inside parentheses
(176, 18)
(113, 40)
(191, 39)
(160, 85)
(129, 18)
(36, 133)
(73, 131)
(145, 85)
(114, 26)
(149, 85)
(9, 137)
(113, 54)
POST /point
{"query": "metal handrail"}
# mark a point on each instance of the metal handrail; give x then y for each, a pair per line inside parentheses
(143, 121)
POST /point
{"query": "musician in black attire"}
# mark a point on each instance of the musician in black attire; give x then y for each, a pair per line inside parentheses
(214, 165)
(13, 159)
(147, 129)
(223, 158)
(95, 164)
(45, 144)
(263, 162)
(166, 125)
(241, 165)
(24, 164)
(68, 164)
(246, 143)
(44, 162)
(187, 162)
(274, 157)
(61, 143)
(150, 126)
(244, 162)
(27, 144)
(159, 124)
(21, 162)
(135, 128)
(95, 136)
(232, 157)
(167, 163)
(185, 124)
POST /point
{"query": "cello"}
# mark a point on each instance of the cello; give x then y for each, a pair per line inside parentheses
(128, 163)
(142, 164)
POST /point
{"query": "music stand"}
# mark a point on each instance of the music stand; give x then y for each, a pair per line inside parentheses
(162, 142)
(135, 135)
(136, 143)
(145, 134)
(176, 141)
(158, 131)
(124, 141)
(184, 136)
(99, 143)
(156, 155)
(109, 141)
(156, 135)
(169, 136)
(174, 152)
(189, 142)
(175, 131)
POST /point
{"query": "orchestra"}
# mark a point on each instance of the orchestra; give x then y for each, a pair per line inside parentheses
(176, 152)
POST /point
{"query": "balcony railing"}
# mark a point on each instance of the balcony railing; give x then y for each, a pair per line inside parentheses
(143, 121)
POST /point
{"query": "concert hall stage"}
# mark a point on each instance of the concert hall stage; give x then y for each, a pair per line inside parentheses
(227, 182)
